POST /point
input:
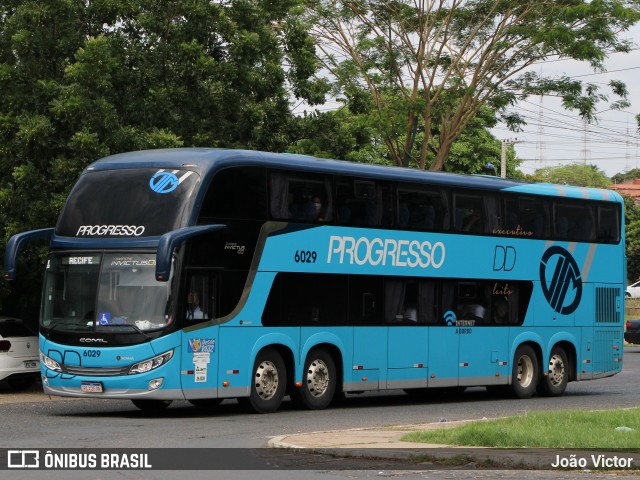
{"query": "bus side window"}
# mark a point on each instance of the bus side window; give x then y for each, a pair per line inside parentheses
(608, 224)
(401, 301)
(363, 203)
(422, 209)
(574, 221)
(238, 193)
(366, 300)
(471, 304)
(469, 215)
(301, 197)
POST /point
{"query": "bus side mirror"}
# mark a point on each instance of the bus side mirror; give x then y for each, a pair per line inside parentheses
(15, 244)
(171, 240)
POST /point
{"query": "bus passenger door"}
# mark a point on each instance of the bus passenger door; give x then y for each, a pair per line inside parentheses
(198, 371)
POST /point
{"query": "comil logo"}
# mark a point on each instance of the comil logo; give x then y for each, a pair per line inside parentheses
(561, 280)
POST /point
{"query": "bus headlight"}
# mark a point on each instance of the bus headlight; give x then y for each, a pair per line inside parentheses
(151, 364)
(50, 363)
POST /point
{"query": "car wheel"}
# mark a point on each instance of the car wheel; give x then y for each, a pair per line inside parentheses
(20, 383)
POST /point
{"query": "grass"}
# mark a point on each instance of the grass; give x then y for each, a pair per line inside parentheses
(564, 429)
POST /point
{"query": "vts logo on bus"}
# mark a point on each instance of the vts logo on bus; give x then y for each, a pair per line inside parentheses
(164, 182)
(558, 271)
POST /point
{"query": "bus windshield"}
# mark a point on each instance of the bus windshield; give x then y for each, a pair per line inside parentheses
(83, 291)
(160, 202)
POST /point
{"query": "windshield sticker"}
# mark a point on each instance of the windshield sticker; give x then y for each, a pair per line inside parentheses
(104, 318)
(201, 361)
(202, 345)
(166, 182)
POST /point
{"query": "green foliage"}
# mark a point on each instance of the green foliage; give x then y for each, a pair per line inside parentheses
(576, 174)
(633, 250)
(566, 429)
(81, 80)
(350, 134)
(630, 175)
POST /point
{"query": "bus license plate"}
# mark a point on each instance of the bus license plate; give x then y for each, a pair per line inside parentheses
(91, 387)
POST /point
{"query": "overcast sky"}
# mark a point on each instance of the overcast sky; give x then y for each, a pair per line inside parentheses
(554, 136)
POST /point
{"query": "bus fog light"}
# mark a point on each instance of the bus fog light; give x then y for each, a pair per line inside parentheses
(45, 381)
(156, 383)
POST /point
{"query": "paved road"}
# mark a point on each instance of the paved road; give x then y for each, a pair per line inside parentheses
(33, 420)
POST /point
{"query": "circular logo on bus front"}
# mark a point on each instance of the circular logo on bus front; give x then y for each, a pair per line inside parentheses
(561, 280)
(164, 182)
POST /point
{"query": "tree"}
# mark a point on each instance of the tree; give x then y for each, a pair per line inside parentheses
(630, 175)
(576, 174)
(349, 136)
(632, 233)
(81, 80)
(430, 66)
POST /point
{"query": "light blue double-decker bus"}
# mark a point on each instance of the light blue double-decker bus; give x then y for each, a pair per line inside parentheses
(205, 274)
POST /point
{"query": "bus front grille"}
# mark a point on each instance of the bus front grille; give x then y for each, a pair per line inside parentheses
(95, 372)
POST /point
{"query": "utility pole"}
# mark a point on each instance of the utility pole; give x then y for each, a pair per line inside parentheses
(503, 158)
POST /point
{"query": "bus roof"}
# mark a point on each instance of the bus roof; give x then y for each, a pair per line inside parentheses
(206, 161)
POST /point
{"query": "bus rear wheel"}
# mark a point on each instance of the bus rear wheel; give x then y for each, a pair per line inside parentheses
(555, 381)
(268, 384)
(151, 405)
(525, 372)
(318, 383)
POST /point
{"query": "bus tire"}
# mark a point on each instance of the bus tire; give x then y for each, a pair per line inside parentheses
(554, 382)
(206, 402)
(151, 405)
(318, 381)
(268, 383)
(525, 372)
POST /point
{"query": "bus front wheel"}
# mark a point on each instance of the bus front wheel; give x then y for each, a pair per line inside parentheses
(524, 375)
(318, 381)
(268, 383)
(554, 382)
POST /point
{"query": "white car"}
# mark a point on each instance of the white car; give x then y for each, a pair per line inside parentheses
(633, 290)
(19, 358)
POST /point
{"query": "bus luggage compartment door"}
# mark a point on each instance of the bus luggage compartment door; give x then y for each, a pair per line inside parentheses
(407, 356)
